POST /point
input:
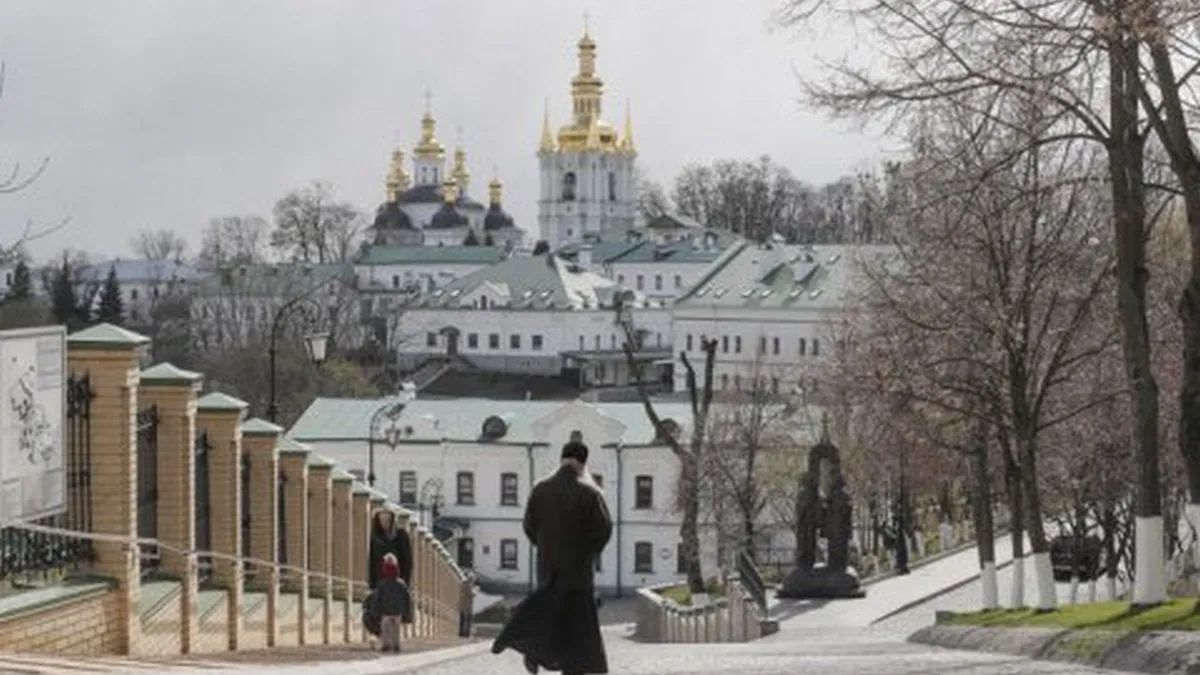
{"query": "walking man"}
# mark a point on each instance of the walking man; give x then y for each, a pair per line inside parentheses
(557, 627)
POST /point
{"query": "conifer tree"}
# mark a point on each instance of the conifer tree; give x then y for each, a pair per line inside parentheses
(64, 304)
(112, 307)
(22, 287)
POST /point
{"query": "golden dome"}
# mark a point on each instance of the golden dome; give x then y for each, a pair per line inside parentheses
(626, 143)
(495, 190)
(460, 173)
(450, 191)
(397, 177)
(429, 145)
(587, 131)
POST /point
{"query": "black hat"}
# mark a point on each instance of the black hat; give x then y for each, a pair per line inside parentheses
(575, 450)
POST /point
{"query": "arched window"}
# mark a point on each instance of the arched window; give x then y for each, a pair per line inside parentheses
(568, 186)
(612, 186)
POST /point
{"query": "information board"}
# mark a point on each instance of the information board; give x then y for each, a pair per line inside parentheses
(32, 418)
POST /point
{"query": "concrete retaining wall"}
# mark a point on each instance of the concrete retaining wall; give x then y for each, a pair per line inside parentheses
(1143, 652)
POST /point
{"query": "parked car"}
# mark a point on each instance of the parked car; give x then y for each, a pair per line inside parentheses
(1062, 556)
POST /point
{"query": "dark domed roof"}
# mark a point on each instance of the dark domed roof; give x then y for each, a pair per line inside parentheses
(421, 194)
(391, 217)
(447, 217)
(496, 218)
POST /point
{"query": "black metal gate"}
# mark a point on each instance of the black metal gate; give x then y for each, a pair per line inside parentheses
(281, 512)
(202, 502)
(23, 552)
(246, 506)
(147, 483)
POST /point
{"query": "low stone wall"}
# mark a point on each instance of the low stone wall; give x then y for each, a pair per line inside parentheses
(1136, 651)
(85, 623)
(732, 619)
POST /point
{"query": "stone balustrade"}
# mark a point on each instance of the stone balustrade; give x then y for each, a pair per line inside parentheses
(260, 541)
(734, 618)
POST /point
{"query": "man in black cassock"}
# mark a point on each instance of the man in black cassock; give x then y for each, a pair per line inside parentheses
(557, 627)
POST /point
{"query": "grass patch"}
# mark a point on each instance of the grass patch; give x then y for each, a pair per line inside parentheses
(1179, 614)
(681, 595)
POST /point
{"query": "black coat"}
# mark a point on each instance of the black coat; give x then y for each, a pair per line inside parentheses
(394, 599)
(558, 625)
(394, 541)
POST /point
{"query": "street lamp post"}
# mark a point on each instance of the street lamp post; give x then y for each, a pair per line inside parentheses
(315, 344)
(391, 409)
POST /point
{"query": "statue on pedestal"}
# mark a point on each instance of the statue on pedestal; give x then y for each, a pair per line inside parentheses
(822, 509)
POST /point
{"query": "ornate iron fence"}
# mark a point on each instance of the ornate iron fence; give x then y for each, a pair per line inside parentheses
(147, 484)
(25, 555)
(203, 505)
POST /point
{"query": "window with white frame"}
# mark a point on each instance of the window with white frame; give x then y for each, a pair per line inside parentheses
(466, 488)
(508, 489)
(408, 488)
(643, 557)
(508, 554)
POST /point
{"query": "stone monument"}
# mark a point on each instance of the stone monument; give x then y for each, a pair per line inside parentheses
(822, 508)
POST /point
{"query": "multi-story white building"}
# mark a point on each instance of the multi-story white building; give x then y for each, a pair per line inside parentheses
(473, 461)
(774, 309)
(143, 283)
(532, 315)
(587, 168)
(640, 260)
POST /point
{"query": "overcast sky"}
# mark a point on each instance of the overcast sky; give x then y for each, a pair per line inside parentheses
(165, 114)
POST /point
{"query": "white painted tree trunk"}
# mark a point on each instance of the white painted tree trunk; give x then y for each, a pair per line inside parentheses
(1112, 588)
(1149, 581)
(1018, 583)
(987, 579)
(1092, 590)
(1044, 574)
(1074, 590)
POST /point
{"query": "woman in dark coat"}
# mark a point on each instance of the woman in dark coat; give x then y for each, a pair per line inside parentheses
(387, 538)
(557, 627)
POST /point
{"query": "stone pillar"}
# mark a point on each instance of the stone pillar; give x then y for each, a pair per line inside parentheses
(108, 355)
(173, 391)
(220, 416)
(342, 535)
(259, 441)
(320, 516)
(293, 464)
(360, 539)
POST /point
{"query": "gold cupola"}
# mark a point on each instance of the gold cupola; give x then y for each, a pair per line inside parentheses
(495, 191)
(626, 143)
(586, 91)
(429, 145)
(397, 178)
(460, 174)
(547, 142)
(450, 191)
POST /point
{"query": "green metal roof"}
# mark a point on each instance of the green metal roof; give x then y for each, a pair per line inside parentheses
(342, 476)
(217, 401)
(361, 490)
(526, 282)
(165, 373)
(781, 276)
(106, 335)
(462, 419)
(316, 461)
(424, 255)
(260, 427)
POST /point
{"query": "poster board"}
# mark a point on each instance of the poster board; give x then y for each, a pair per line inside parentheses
(32, 418)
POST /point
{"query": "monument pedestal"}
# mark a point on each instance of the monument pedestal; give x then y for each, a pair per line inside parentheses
(821, 582)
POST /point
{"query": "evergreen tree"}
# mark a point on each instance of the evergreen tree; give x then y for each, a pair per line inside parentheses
(471, 239)
(541, 247)
(64, 304)
(22, 286)
(112, 307)
(488, 241)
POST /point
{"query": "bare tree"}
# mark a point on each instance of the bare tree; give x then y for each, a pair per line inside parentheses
(691, 454)
(234, 240)
(311, 226)
(161, 244)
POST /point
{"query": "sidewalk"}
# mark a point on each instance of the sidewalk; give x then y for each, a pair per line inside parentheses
(890, 595)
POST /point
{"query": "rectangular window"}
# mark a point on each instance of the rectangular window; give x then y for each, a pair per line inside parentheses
(643, 557)
(466, 488)
(466, 553)
(762, 345)
(641, 282)
(725, 344)
(816, 347)
(774, 385)
(737, 382)
(621, 279)
(536, 343)
(658, 282)
(689, 342)
(508, 489)
(644, 495)
(775, 346)
(597, 342)
(514, 341)
(724, 381)
(678, 281)
(408, 488)
(680, 560)
(395, 281)
(473, 340)
(737, 344)
(133, 294)
(803, 347)
(508, 554)
(612, 341)
(582, 346)
(494, 341)
(431, 339)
